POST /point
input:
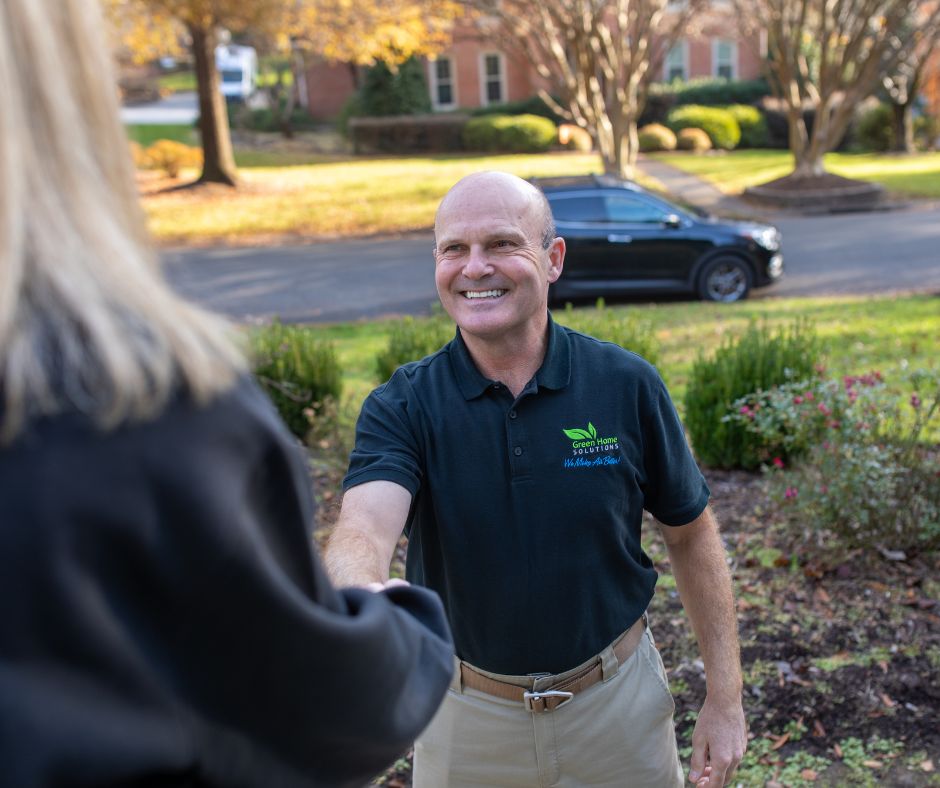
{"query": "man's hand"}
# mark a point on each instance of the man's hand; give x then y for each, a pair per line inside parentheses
(718, 743)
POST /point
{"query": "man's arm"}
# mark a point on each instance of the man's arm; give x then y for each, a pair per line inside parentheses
(704, 582)
(360, 549)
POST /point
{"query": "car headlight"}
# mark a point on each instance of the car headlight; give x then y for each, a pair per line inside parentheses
(768, 237)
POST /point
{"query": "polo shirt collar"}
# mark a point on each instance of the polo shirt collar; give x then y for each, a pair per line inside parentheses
(555, 372)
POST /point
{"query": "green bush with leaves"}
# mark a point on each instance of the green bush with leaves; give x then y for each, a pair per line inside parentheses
(694, 140)
(719, 124)
(299, 372)
(411, 340)
(509, 134)
(874, 130)
(752, 123)
(534, 105)
(620, 326)
(847, 459)
(758, 359)
(655, 137)
(402, 91)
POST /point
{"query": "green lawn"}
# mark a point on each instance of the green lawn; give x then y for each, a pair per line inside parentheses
(146, 135)
(333, 198)
(916, 175)
(888, 334)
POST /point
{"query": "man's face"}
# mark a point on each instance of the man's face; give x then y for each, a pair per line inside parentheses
(491, 272)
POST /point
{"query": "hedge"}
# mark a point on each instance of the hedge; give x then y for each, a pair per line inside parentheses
(509, 133)
(719, 124)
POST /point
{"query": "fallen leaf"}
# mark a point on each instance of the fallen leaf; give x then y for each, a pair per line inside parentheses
(872, 764)
(809, 775)
(837, 750)
(821, 595)
(818, 730)
(779, 741)
(927, 766)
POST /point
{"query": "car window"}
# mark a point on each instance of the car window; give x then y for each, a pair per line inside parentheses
(578, 208)
(626, 208)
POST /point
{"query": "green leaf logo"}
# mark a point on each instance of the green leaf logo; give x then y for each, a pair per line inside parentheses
(577, 435)
(592, 431)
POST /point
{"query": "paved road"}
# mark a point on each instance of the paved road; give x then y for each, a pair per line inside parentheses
(865, 253)
(176, 108)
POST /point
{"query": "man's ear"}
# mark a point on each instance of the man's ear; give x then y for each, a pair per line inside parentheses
(556, 259)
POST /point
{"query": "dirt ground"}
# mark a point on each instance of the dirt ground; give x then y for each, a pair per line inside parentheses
(841, 652)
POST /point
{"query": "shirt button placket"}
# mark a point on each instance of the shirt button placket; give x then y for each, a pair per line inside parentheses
(518, 448)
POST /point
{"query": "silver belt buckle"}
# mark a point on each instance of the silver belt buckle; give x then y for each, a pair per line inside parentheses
(531, 698)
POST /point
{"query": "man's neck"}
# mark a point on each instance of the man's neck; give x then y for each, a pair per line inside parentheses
(512, 360)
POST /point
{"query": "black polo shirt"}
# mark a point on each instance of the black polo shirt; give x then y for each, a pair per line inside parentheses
(526, 511)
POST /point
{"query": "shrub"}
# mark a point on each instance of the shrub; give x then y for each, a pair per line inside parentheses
(138, 154)
(407, 133)
(865, 476)
(620, 326)
(403, 91)
(298, 371)
(752, 124)
(756, 360)
(719, 124)
(411, 340)
(509, 133)
(171, 156)
(694, 140)
(534, 105)
(352, 108)
(874, 130)
(656, 137)
(575, 138)
(715, 91)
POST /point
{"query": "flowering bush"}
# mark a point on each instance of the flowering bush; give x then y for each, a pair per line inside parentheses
(847, 457)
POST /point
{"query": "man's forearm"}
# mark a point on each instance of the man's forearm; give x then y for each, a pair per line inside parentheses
(353, 559)
(704, 583)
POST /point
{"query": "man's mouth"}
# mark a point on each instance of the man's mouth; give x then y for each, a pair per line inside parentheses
(471, 294)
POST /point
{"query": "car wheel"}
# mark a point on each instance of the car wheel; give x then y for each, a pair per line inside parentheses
(724, 279)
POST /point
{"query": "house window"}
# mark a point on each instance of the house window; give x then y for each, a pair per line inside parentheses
(493, 81)
(724, 59)
(443, 93)
(675, 66)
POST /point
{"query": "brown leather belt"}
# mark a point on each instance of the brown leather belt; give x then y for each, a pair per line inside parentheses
(555, 695)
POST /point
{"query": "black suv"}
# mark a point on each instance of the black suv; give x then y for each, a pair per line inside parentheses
(624, 240)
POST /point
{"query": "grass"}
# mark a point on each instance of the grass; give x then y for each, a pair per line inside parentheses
(916, 175)
(333, 198)
(890, 334)
(147, 134)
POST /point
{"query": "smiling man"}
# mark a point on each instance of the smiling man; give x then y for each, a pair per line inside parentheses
(519, 459)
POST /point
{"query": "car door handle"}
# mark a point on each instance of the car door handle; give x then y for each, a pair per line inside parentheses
(619, 239)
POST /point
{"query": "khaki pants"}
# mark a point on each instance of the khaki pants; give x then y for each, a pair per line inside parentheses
(618, 733)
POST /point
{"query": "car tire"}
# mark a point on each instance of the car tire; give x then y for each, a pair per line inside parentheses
(726, 279)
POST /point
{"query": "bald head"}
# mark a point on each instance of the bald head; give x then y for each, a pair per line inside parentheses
(500, 189)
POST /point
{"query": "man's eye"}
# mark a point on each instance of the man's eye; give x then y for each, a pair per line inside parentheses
(502, 244)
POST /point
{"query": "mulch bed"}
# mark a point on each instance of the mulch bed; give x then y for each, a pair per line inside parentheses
(834, 647)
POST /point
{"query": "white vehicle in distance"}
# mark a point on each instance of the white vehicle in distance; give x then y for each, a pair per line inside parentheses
(238, 71)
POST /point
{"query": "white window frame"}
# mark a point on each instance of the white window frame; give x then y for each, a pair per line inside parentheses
(683, 44)
(716, 43)
(433, 83)
(504, 96)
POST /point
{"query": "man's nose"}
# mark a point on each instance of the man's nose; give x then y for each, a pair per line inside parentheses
(477, 265)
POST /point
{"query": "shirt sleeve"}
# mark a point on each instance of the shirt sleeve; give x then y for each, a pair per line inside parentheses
(286, 678)
(675, 492)
(388, 446)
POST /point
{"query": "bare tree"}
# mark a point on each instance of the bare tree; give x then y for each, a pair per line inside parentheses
(828, 55)
(598, 57)
(902, 83)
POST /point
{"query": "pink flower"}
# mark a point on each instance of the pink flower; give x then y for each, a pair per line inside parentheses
(834, 424)
(826, 445)
(853, 395)
(915, 401)
(778, 462)
(809, 396)
(823, 409)
(823, 489)
(745, 410)
(790, 492)
(797, 400)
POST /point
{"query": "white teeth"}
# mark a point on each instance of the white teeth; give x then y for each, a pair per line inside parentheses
(483, 293)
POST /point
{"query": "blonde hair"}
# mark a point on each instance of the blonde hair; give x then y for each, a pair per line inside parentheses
(87, 321)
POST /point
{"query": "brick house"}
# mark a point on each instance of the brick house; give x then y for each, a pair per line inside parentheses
(474, 71)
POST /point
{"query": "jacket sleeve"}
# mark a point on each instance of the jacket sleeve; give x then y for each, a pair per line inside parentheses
(284, 679)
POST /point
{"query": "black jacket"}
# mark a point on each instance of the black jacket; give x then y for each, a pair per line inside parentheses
(164, 621)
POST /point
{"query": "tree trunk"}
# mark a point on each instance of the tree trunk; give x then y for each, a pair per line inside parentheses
(218, 161)
(903, 127)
